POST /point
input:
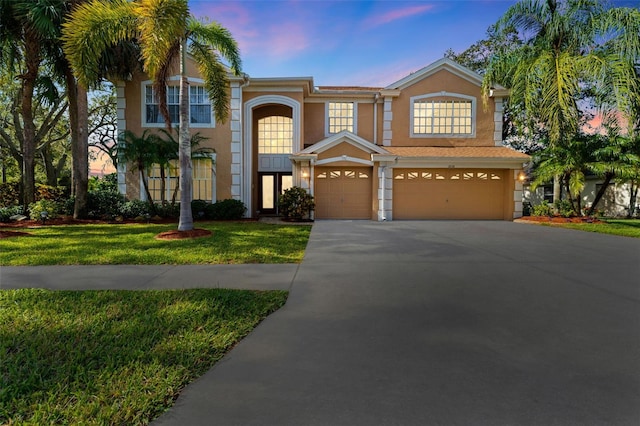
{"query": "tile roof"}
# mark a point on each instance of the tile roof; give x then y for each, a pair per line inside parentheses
(457, 152)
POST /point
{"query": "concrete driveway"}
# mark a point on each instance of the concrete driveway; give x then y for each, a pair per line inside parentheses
(440, 323)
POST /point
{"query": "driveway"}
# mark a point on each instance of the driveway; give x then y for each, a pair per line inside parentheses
(440, 323)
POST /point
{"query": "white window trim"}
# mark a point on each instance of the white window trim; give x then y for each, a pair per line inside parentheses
(143, 106)
(473, 100)
(326, 115)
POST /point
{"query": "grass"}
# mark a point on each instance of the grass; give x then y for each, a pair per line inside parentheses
(622, 227)
(114, 357)
(231, 242)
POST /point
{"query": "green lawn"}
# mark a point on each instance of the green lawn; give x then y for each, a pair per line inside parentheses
(623, 227)
(231, 242)
(114, 357)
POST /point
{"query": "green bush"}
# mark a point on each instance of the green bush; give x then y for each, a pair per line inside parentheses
(228, 209)
(7, 212)
(52, 208)
(564, 208)
(296, 203)
(107, 183)
(543, 209)
(199, 209)
(134, 208)
(104, 203)
(168, 210)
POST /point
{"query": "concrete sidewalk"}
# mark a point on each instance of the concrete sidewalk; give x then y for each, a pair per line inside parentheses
(137, 277)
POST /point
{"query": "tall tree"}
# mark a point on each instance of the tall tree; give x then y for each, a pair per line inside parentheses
(165, 32)
(569, 46)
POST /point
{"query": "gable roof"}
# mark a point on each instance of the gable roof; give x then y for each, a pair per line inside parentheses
(341, 137)
(439, 65)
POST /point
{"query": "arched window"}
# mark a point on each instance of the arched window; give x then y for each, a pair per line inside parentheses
(275, 135)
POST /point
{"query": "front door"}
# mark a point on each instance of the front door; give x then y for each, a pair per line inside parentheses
(271, 185)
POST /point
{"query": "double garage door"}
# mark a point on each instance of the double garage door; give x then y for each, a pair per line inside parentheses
(346, 193)
(448, 194)
(343, 192)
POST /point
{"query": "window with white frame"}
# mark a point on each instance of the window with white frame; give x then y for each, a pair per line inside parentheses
(200, 113)
(275, 135)
(341, 116)
(438, 117)
(202, 175)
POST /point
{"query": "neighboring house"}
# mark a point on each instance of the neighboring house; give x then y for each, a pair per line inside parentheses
(424, 147)
(614, 203)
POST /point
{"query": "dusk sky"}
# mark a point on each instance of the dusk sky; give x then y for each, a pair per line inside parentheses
(351, 42)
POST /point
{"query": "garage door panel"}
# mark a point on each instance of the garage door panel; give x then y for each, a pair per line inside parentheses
(343, 193)
(448, 194)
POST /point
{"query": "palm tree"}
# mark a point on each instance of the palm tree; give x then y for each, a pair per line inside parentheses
(166, 33)
(141, 151)
(572, 48)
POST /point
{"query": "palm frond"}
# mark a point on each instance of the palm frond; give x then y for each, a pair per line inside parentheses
(161, 23)
(92, 29)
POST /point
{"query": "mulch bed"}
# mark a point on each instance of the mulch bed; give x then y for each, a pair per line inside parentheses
(9, 234)
(560, 219)
(181, 235)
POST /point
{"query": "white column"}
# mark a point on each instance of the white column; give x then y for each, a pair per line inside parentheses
(517, 195)
(387, 134)
(236, 143)
(497, 122)
(121, 127)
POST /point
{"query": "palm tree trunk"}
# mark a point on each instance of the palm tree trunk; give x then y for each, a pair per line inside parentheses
(184, 151)
(78, 121)
(603, 188)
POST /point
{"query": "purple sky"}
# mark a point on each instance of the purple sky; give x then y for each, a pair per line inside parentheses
(350, 42)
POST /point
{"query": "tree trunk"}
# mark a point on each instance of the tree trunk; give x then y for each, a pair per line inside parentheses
(50, 169)
(184, 152)
(633, 197)
(78, 122)
(557, 188)
(607, 181)
(32, 59)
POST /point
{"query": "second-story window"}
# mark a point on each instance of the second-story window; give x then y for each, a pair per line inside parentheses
(199, 106)
(443, 114)
(275, 135)
(341, 116)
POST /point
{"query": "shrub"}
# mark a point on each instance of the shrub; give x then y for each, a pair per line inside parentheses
(53, 193)
(9, 193)
(52, 208)
(7, 212)
(169, 210)
(296, 203)
(543, 209)
(564, 208)
(228, 209)
(199, 209)
(104, 202)
(135, 208)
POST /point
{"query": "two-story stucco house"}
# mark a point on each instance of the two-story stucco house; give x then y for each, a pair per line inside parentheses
(424, 147)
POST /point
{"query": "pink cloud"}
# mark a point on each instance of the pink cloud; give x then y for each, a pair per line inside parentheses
(396, 14)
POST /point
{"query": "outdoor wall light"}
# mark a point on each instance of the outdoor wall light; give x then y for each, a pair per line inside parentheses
(522, 176)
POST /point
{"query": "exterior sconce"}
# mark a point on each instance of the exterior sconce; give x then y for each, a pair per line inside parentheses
(522, 177)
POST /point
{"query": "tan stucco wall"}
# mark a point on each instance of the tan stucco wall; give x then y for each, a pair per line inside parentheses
(218, 138)
(344, 149)
(442, 80)
(313, 122)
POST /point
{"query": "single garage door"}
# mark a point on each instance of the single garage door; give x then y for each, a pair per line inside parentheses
(448, 194)
(343, 192)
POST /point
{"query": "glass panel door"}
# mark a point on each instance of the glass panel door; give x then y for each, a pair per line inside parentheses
(271, 185)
